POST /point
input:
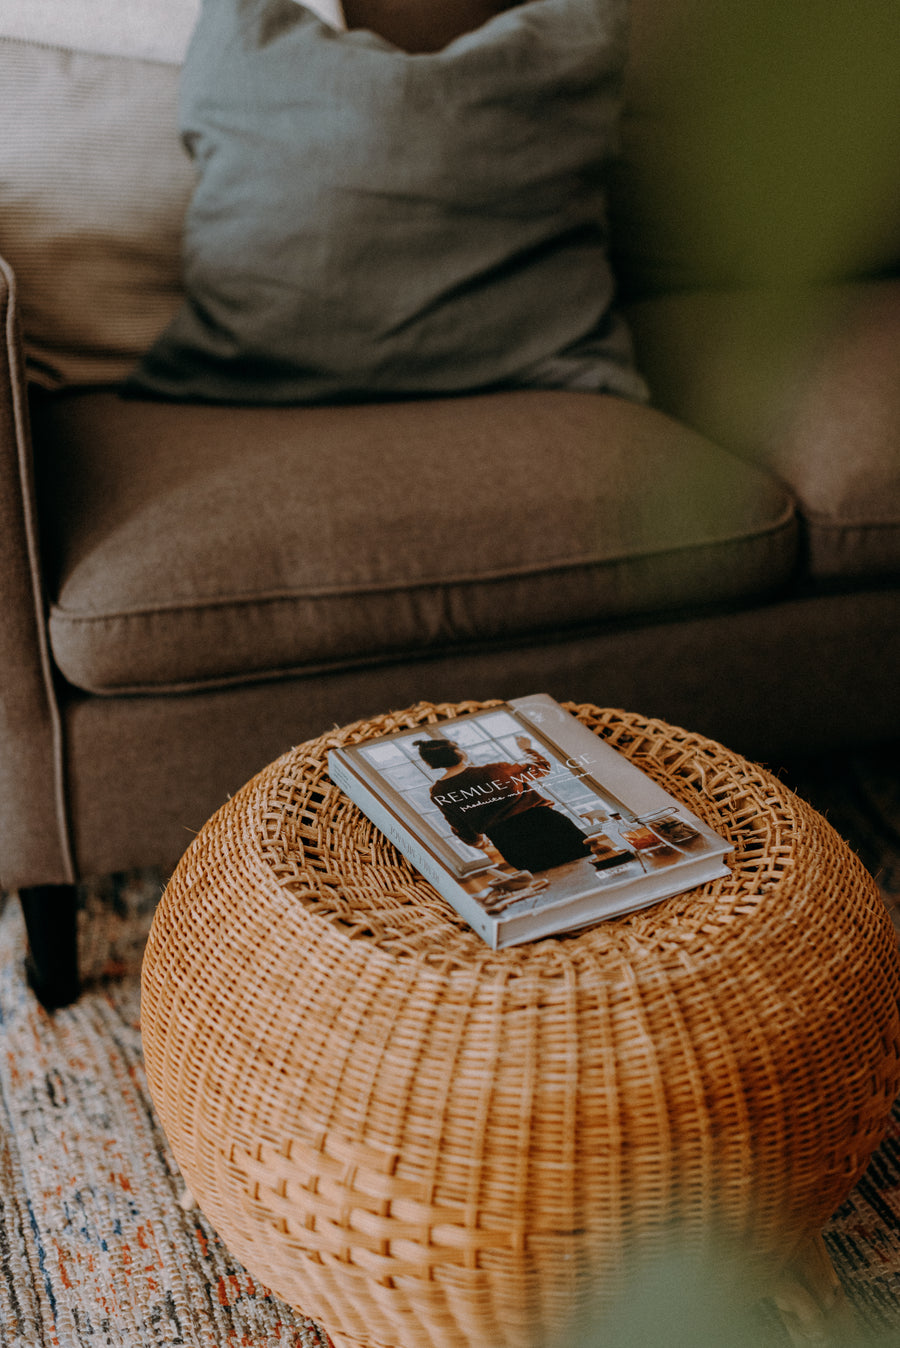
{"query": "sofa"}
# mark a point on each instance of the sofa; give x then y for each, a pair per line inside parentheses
(188, 589)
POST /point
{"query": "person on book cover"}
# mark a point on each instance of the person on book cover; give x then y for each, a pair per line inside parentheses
(498, 801)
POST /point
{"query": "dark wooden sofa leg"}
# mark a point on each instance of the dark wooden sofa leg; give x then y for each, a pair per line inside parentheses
(51, 913)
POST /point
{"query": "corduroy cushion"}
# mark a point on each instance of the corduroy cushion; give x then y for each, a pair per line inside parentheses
(194, 545)
(143, 30)
(93, 190)
(368, 222)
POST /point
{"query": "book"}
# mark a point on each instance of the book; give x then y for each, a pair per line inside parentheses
(526, 822)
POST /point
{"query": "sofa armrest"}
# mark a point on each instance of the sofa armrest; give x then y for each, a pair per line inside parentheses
(34, 835)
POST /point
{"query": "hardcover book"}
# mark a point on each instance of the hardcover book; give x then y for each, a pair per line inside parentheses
(526, 822)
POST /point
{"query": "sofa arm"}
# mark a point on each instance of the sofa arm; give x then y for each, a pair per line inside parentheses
(34, 835)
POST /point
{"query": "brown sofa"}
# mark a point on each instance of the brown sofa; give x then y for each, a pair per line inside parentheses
(187, 591)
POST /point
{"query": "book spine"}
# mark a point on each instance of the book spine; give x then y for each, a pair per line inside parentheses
(406, 842)
(585, 910)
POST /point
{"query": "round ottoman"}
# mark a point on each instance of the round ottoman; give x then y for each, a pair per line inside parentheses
(423, 1143)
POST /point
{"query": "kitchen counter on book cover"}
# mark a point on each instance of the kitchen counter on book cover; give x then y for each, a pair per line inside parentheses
(526, 822)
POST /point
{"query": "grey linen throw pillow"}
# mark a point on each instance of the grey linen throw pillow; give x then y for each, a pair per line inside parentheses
(371, 223)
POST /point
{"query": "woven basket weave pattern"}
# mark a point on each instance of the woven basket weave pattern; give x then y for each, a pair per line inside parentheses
(428, 1144)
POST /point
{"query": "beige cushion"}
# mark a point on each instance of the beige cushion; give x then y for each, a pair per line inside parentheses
(297, 538)
(94, 188)
(150, 30)
(805, 383)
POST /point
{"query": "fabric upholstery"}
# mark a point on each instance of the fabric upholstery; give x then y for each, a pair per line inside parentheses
(369, 223)
(806, 384)
(193, 545)
(31, 806)
(760, 144)
(724, 675)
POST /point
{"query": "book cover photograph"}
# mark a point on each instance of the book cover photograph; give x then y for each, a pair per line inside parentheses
(525, 821)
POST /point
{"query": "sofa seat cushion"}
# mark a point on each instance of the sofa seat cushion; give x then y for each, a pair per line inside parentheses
(191, 546)
(805, 383)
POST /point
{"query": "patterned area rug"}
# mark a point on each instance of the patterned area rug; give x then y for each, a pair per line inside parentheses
(95, 1248)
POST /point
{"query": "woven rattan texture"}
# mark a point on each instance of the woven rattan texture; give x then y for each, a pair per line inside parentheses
(426, 1144)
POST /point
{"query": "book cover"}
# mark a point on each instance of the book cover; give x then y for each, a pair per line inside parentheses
(525, 821)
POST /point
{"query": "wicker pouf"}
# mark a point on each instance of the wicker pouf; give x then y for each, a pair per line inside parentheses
(425, 1144)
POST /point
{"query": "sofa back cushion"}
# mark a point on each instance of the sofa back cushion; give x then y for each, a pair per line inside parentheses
(761, 144)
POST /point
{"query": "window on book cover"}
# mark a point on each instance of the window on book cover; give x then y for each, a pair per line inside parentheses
(490, 784)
